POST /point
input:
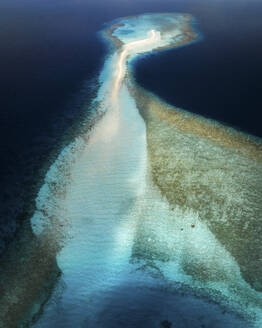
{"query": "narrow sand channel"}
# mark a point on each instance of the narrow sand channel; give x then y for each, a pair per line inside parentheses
(107, 177)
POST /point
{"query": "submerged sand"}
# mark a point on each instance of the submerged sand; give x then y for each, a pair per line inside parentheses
(153, 208)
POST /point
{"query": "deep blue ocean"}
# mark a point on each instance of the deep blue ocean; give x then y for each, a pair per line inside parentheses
(51, 54)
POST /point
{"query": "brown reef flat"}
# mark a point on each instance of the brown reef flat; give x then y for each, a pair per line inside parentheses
(212, 170)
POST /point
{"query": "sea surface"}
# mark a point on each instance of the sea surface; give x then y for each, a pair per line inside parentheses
(51, 55)
(218, 77)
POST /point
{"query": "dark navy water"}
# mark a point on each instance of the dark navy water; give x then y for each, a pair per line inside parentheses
(50, 48)
(219, 77)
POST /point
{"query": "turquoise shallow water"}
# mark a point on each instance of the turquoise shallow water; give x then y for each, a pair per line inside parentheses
(50, 47)
(106, 178)
(100, 286)
(109, 209)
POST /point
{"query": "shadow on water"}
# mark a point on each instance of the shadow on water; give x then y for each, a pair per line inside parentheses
(155, 306)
